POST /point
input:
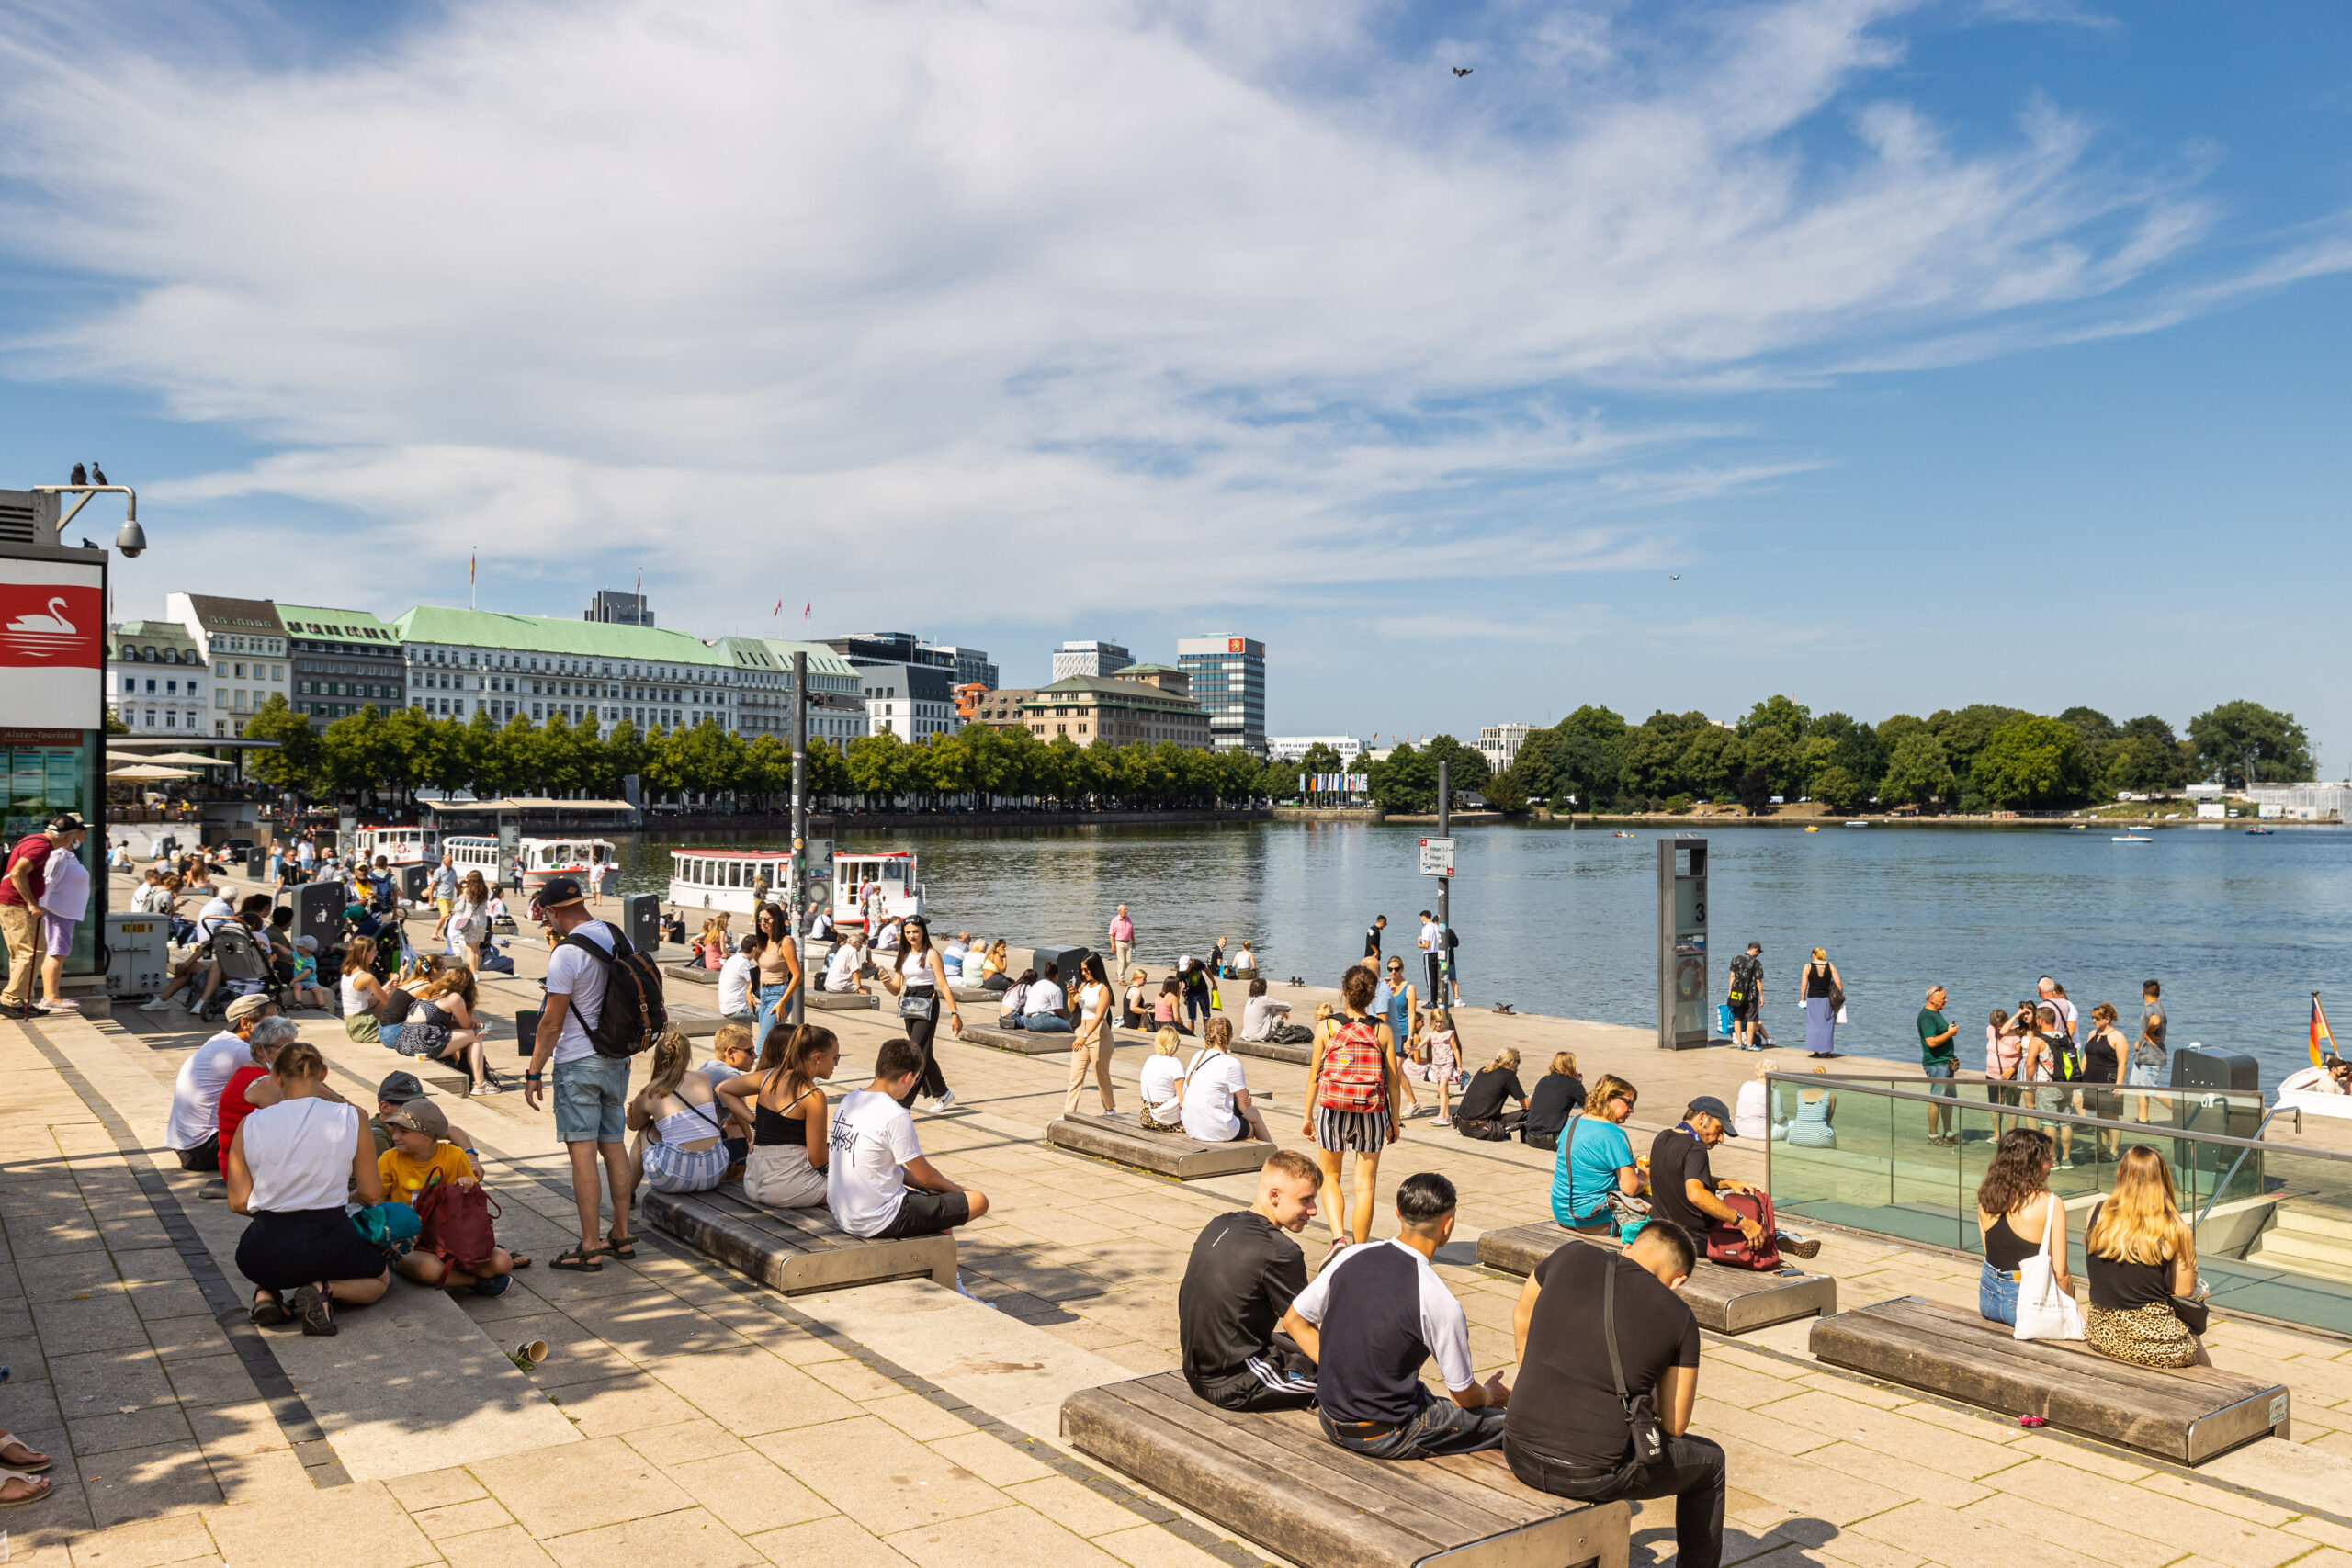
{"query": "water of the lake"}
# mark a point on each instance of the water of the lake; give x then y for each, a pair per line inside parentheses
(2241, 929)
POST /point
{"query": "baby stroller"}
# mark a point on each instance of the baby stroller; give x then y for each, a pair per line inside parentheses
(245, 969)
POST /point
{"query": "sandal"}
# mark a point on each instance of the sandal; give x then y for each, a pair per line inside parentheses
(580, 1260)
(35, 1488)
(315, 1305)
(518, 1260)
(268, 1311)
(34, 1458)
(623, 1248)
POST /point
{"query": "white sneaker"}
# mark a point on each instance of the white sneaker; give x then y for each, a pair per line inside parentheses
(945, 1100)
(155, 1004)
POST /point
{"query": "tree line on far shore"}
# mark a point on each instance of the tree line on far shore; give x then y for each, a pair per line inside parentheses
(1981, 757)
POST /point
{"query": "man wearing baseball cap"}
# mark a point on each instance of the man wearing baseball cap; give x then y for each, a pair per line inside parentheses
(397, 1089)
(1683, 1188)
(591, 1090)
(20, 889)
(195, 1127)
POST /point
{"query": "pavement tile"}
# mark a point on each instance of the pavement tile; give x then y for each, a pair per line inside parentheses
(131, 1428)
(994, 1460)
(1957, 1540)
(879, 1475)
(918, 1417)
(460, 1518)
(688, 1537)
(1797, 1483)
(747, 1391)
(1866, 1423)
(145, 1543)
(836, 1542)
(749, 1493)
(1900, 1474)
(1002, 1538)
(856, 1380)
(436, 1488)
(2206, 1530)
(138, 1483)
(1148, 1546)
(630, 1403)
(1073, 1507)
(209, 1380)
(579, 1486)
(2056, 1519)
(358, 1526)
(511, 1547)
(685, 1442)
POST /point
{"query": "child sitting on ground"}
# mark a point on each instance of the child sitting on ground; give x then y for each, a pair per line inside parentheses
(417, 1155)
(731, 1057)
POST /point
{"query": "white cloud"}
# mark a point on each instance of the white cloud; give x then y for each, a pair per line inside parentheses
(1064, 283)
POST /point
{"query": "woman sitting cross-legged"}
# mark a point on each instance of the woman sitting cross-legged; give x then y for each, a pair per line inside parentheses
(417, 1156)
(678, 1119)
(442, 1027)
(289, 1167)
(786, 1109)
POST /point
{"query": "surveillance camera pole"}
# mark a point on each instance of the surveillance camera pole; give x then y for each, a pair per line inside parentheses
(86, 493)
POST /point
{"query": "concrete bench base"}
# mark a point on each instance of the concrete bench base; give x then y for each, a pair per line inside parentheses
(841, 1001)
(2188, 1416)
(1296, 1055)
(1276, 1480)
(1019, 1040)
(796, 1251)
(1729, 1301)
(1123, 1140)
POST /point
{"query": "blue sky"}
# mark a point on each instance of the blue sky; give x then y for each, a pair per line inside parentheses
(1989, 351)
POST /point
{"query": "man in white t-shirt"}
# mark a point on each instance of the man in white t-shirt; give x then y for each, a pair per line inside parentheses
(849, 957)
(1216, 1094)
(2053, 995)
(591, 1090)
(1432, 944)
(735, 982)
(195, 1127)
(877, 1183)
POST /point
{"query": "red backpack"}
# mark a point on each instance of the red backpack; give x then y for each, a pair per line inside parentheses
(455, 1224)
(1356, 1072)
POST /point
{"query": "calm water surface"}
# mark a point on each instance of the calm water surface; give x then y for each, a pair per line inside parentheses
(2240, 930)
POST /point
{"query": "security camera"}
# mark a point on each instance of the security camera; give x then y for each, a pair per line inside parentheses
(131, 540)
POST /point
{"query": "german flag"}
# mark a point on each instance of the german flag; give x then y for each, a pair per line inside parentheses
(2321, 1033)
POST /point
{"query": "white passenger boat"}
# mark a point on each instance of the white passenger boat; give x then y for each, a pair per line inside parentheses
(545, 859)
(730, 880)
(399, 846)
(475, 853)
(874, 887)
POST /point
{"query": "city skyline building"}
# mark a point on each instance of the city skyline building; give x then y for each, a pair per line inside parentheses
(244, 644)
(1499, 743)
(344, 661)
(462, 662)
(1229, 683)
(1088, 708)
(1102, 660)
(913, 702)
(613, 608)
(763, 697)
(155, 678)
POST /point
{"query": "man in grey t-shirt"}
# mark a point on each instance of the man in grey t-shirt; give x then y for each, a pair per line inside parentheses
(2146, 1068)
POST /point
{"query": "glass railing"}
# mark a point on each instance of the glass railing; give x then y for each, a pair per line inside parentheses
(2274, 1222)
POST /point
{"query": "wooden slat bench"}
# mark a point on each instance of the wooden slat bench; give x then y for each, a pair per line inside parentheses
(1019, 1040)
(2187, 1416)
(793, 1250)
(1276, 1480)
(1122, 1139)
(1729, 1301)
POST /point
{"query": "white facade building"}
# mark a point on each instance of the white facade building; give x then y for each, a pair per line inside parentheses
(155, 679)
(2303, 802)
(243, 645)
(913, 702)
(1500, 744)
(462, 662)
(1294, 748)
(764, 690)
(1099, 659)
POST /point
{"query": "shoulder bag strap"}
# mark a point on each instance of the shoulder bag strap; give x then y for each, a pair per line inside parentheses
(1608, 1324)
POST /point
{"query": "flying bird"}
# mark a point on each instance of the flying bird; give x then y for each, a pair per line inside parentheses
(1463, 70)
(81, 475)
(1675, 577)
(97, 475)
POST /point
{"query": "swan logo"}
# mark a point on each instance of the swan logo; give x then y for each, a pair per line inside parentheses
(49, 624)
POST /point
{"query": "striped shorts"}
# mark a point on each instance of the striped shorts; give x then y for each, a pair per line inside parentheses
(668, 1168)
(1358, 1132)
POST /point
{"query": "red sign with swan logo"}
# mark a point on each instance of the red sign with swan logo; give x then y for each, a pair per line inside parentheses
(51, 625)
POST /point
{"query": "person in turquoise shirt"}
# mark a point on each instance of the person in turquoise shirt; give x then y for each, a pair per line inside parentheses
(1595, 1159)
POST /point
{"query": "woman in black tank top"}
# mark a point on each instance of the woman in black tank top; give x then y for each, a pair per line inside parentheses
(2014, 1205)
(784, 1167)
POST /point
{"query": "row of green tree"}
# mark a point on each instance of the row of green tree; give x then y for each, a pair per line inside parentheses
(1981, 757)
(394, 756)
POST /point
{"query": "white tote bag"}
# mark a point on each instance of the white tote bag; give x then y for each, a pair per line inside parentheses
(2045, 1311)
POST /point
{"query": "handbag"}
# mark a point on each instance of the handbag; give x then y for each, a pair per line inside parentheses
(922, 1004)
(391, 1228)
(2045, 1311)
(2194, 1314)
(1642, 1425)
(454, 1223)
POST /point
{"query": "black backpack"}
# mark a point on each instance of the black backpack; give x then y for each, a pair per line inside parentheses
(634, 1014)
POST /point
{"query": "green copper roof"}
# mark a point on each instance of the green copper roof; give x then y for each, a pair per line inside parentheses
(345, 625)
(547, 633)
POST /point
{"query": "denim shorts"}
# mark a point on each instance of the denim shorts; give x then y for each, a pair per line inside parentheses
(2142, 1076)
(592, 1100)
(1941, 1071)
(1997, 1296)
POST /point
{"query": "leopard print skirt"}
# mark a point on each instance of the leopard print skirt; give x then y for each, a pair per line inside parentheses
(2150, 1335)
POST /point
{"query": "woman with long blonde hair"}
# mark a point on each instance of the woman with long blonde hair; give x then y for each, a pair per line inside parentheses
(781, 1099)
(676, 1117)
(362, 992)
(2143, 1256)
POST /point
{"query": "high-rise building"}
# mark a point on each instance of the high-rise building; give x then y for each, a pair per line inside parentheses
(344, 661)
(973, 666)
(1499, 743)
(1101, 659)
(230, 633)
(1229, 681)
(617, 609)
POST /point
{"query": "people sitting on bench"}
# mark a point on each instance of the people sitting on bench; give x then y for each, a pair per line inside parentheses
(786, 1109)
(1216, 1093)
(1044, 1009)
(874, 1157)
(680, 1126)
(2142, 1259)
(1163, 1085)
(1481, 1114)
(842, 970)
(1244, 1273)
(1594, 1179)
(2015, 1209)
(1683, 1188)
(1567, 1431)
(194, 1131)
(1261, 1014)
(1376, 1312)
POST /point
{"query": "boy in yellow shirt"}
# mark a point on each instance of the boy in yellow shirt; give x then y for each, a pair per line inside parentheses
(408, 1167)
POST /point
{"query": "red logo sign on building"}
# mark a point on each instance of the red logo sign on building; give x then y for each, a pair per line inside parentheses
(1237, 645)
(52, 626)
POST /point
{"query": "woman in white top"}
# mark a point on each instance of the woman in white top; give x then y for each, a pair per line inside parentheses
(923, 987)
(289, 1166)
(1090, 1046)
(1752, 1117)
(677, 1118)
(1163, 1085)
(469, 921)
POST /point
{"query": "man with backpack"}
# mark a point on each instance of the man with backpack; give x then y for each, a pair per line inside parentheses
(1746, 996)
(604, 1005)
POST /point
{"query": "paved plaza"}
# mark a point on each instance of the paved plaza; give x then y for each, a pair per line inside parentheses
(686, 1416)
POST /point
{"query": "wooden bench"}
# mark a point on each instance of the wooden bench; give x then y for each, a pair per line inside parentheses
(1125, 1141)
(2187, 1416)
(1276, 1480)
(793, 1250)
(1729, 1301)
(1295, 1055)
(1019, 1040)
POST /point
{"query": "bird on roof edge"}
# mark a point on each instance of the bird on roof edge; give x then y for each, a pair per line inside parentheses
(81, 475)
(97, 475)
(1463, 70)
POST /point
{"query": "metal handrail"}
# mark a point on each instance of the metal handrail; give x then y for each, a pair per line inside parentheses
(2230, 1175)
(1810, 1080)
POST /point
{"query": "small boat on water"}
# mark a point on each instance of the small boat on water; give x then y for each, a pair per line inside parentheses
(2259, 832)
(2133, 839)
(1621, 834)
(1813, 828)
(1857, 824)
